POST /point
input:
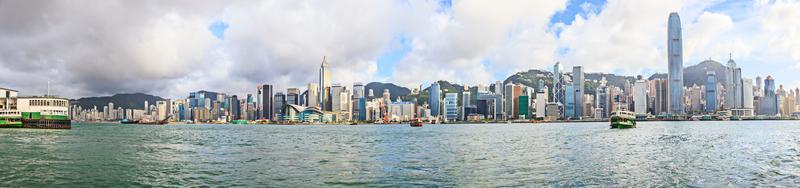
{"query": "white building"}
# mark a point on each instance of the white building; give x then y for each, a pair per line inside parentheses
(640, 96)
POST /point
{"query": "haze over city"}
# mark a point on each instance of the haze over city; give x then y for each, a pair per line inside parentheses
(170, 48)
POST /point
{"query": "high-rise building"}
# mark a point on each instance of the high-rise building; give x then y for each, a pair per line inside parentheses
(236, 112)
(640, 96)
(759, 91)
(675, 58)
(769, 102)
(578, 82)
(541, 102)
(264, 101)
(569, 101)
(711, 92)
(293, 96)
(280, 103)
(730, 90)
(451, 106)
(323, 92)
(312, 95)
(508, 98)
(336, 90)
(661, 96)
(602, 106)
(558, 83)
(434, 97)
(738, 98)
(747, 93)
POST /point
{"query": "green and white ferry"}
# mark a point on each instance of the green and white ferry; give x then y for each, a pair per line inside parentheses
(622, 119)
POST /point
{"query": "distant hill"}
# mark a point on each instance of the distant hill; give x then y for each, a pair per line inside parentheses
(394, 90)
(696, 74)
(126, 101)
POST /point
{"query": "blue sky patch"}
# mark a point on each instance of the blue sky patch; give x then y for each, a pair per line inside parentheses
(218, 28)
(396, 50)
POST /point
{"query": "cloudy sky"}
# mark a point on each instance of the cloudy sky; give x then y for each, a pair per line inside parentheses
(169, 48)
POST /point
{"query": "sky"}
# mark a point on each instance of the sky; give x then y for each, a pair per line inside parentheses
(169, 48)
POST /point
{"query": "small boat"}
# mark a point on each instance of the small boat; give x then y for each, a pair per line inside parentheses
(416, 123)
(622, 120)
(127, 121)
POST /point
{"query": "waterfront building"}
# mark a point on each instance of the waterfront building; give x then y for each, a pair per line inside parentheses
(558, 86)
(466, 104)
(279, 103)
(738, 94)
(602, 107)
(541, 102)
(769, 102)
(711, 92)
(696, 99)
(569, 101)
(264, 101)
(508, 100)
(324, 85)
(490, 105)
(675, 58)
(312, 95)
(434, 97)
(640, 96)
(759, 90)
(451, 107)
(401, 111)
(162, 112)
(578, 86)
(293, 96)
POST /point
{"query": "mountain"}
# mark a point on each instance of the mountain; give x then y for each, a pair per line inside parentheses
(696, 74)
(126, 101)
(394, 90)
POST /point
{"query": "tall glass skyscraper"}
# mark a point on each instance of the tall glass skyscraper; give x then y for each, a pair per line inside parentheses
(323, 92)
(578, 81)
(675, 58)
(434, 96)
(711, 92)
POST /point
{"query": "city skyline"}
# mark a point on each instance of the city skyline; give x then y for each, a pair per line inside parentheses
(172, 49)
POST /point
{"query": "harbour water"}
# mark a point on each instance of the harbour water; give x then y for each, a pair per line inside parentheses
(706, 154)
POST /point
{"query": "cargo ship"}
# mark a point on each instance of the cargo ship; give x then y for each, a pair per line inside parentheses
(45, 112)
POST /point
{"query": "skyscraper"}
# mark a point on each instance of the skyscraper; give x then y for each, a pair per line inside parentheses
(730, 90)
(640, 96)
(451, 106)
(769, 103)
(558, 83)
(235, 108)
(264, 98)
(323, 92)
(280, 102)
(312, 95)
(577, 82)
(738, 99)
(434, 96)
(675, 58)
(711, 92)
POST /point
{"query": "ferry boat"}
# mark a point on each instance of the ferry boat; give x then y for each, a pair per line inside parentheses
(622, 120)
(416, 123)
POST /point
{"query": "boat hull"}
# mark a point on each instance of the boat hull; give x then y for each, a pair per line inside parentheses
(622, 123)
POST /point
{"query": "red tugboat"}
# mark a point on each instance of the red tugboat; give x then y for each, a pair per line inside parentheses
(416, 123)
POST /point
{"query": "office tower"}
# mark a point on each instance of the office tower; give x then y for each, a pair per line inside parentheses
(162, 110)
(737, 88)
(434, 96)
(335, 97)
(569, 101)
(558, 83)
(312, 95)
(711, 92)
(578, 82)
(236, 112)
(466, 104)
(264, 101)
(769, 102)
(508, 100)
(602, 108)
(323, 92)
(358, 90)
(747, 93)
(661, 96)
(675, 58)
(541, 101)
(280, 103)
(293, 96)
(451, 106)
(640, 96)
(730, 101)
(759, 91)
